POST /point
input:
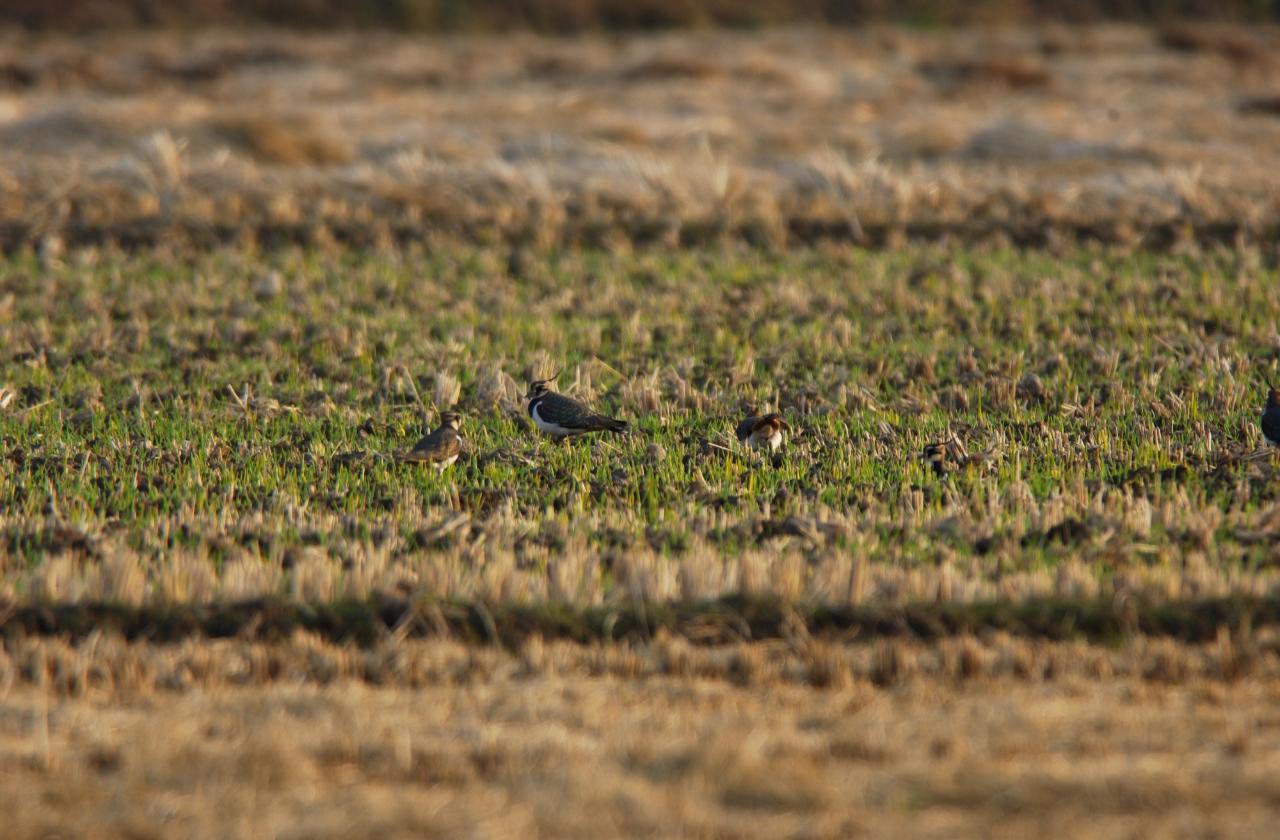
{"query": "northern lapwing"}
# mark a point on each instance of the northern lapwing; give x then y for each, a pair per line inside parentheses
(563, 417)
(1271, 417)
(762, 432)
(439, 448)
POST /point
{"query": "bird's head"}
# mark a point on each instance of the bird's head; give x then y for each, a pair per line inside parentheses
(1273, 397)
(538, 387)
(452, 419)
(775, 420)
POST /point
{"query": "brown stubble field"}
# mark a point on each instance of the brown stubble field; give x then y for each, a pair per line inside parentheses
(995, 737)
(242, 268)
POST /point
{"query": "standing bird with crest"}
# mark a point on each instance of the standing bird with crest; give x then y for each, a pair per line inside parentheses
(564, 417)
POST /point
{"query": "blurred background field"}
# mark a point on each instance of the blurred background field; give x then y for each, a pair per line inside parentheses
(1127, 134)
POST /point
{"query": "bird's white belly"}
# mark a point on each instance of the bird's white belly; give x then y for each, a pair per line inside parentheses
(766, 438)
(552, 428)
(440, 465)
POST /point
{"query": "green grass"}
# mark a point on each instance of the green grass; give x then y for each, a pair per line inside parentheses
(1110, 391)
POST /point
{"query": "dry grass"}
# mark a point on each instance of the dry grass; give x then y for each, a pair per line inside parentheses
(104, 665)
(995, 738)
(1114, 133)
(1117, 615)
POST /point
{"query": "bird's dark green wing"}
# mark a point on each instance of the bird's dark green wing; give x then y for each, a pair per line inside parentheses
(568, 413)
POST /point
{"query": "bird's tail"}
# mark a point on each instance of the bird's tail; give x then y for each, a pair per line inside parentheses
(612, 425)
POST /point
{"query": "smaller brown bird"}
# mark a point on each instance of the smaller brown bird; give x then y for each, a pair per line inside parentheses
(1271, 417)
(439, 448)
(762, 432)
(936, 455)
(952, 454)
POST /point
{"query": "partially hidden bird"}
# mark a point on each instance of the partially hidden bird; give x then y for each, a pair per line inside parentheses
(762, 432)
(1271, 417)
